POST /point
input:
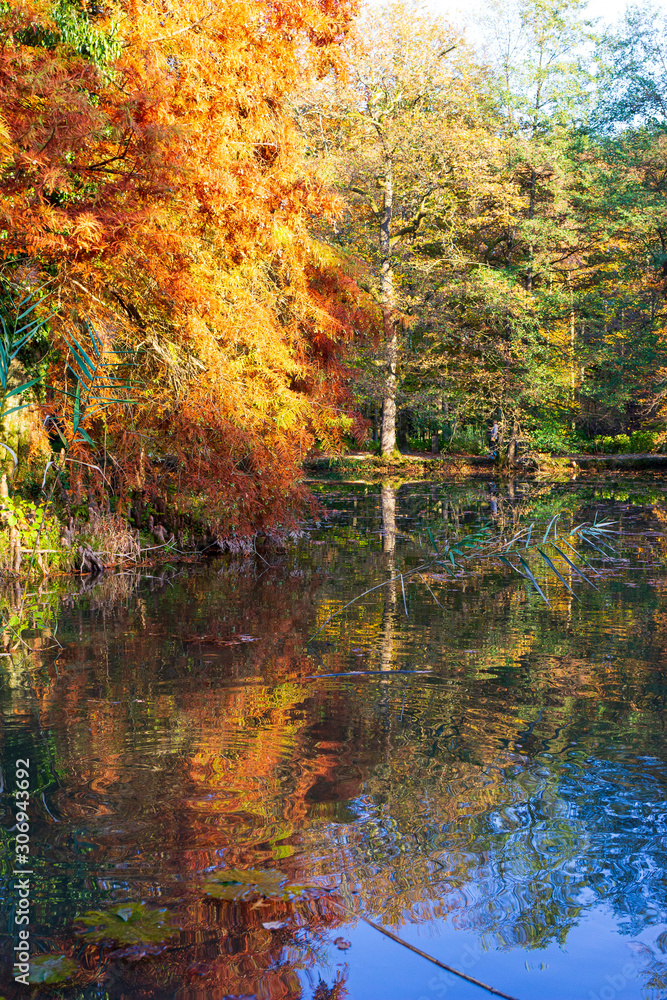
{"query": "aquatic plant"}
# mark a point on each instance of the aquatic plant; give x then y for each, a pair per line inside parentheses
(455, 555)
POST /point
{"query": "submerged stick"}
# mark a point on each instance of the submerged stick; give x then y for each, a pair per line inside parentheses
(425, 954)
(424, 581)
(382, 674)
(405, 603)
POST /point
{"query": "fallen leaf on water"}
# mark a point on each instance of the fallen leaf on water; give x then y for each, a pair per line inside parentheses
(235, 884)
(51, 969)
(131, 923)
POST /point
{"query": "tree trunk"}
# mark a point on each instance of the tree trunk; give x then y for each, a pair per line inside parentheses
(511, 447)
(531, 216)
(573, 354)
(388, 304)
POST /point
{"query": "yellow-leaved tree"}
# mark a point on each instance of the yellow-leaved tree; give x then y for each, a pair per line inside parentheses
(409, 135)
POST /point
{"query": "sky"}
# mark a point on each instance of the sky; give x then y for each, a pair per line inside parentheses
(608, 10)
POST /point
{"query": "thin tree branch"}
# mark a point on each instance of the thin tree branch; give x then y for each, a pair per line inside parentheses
(181, 31)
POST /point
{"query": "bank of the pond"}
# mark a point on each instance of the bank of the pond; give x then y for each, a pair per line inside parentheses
(43, 539)
(405, 466)
(446, 466)
(647, 460)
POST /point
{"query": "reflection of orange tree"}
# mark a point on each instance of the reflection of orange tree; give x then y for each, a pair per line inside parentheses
(199, 755)
(167, 780)
(230, 796)
(201, 946)
(231, 950)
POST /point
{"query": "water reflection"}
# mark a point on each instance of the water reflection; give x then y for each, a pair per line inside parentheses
(486, 770)
(388, 502)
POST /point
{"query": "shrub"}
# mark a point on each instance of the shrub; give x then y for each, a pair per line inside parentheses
(468, 440)
(31, 523)
(643, 440)
(551, 438)
(610, 445)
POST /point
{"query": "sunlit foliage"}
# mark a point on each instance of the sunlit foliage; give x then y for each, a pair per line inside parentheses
(151, 168)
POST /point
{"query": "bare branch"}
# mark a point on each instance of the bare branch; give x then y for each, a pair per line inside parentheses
(181, 31)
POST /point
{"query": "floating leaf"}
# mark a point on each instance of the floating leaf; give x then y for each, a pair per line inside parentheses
(236, 885)
(51, 969)
(131, 923)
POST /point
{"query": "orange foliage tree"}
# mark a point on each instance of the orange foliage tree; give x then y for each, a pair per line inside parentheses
(149, 164)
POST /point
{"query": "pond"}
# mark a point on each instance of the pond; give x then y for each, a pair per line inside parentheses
(229, 769)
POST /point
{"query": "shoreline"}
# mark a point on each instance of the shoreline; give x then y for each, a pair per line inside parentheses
(75, 554)
(472, 465)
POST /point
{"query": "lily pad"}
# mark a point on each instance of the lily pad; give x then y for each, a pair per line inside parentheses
(51, 969)
(236, 885)
(130, 923)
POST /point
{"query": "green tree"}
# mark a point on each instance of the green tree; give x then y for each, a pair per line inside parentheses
(403, 139)
(633, 70)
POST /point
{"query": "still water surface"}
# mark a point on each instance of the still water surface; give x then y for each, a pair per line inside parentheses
(484, 775)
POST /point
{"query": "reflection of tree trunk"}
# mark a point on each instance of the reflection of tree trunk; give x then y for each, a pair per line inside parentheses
(388, 303)
(388, 500)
